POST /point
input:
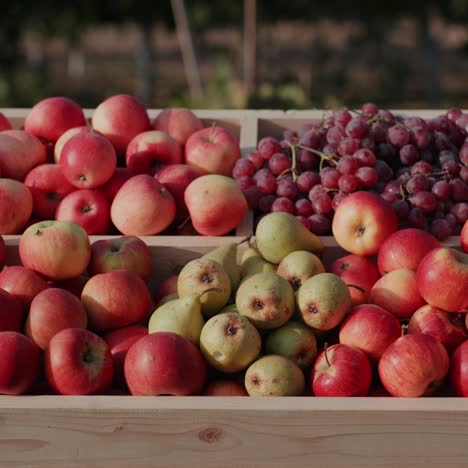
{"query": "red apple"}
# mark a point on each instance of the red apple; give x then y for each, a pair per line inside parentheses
(341, 370)
(358, 271)
(362, 222)
(458, 373)
(14, 194)
(65, 137)
(370, 329)
(142, 207)
(442, 279)
(464, 237)
(73, 285)
(179, 123)
(176, 178)
(113, 185)
(89, 208)
(114, 300)
(3, 253)
(22, 283)
(405, 249)
(413, 366)
(78, 362)
(164, 363)
(88, 160)
(225, 388)
(5, 124)
(51, 311)
(212, 150)
(124, 253)
(119, 342)
(120, 118)
(216, 204)
(397, 292)
(148, 151)
(11, 312)
(167, 287)
(20, 363)
(51, 117)
(48, 188)
(448, 328)
(57, 250)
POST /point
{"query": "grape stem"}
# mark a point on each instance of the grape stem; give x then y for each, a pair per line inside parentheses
(332, 158)
(293, 168)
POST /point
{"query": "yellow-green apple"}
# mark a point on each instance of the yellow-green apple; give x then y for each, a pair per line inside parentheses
(65, 137)
(397, 292)
(413, 366)
(89, 208)
(225, 388)
(11, 312)
(442, 279)
(16, 164)
(362, 222)
(405, 249)
(341, 370)
(216, 204)
(20, 363)
(356, 270)
(5, 124)
(212, 150)
(73, 285)
(57, 250)
(51, 311)
(447, 327)
(48, 188)
(179, 123)
(120, 118)
(148, 151)
(22, 283)
(119, 342)
(51, 117)
(371, 329)
(464, 237)
(123, 253)
(2, 253)
(113, 185)
(142, 207)
(176, 178)
(115, 299)
(88, 160)
(458, 373)
(14, 194)
(166, 288)
(164, 363)
(78, 362)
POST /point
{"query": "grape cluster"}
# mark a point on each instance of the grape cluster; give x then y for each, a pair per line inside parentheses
(418, 166)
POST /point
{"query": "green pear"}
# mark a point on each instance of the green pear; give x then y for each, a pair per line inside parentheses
(201, 274)
(252, 263)
(293, 340)
(229, 342)
(266, 299)
(182, 316)
(168, 298)
(274, 375)
(279, 234)
(299, 266)
(323, 301)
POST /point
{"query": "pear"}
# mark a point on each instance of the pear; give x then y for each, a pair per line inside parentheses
(299, 266)
(201, 274)
(323, 301)
(229, 342)
(279, 234)
(168, 298)
(252, 263)
(274, 375)
(294, 340)
(266, 299)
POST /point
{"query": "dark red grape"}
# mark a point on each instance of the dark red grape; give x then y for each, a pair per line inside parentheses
(306, 160)
(322, 203)
(413, 122)
(439, 124)
(464, 174)
(367, 176)
(390, 197)
(401, 208)
(341, 116)
(268, 146)
(384, 171)
(347, 165)
(307, 180)
(424, 200)
(286, 188)
(460, 211)
(245, 182)
(451, 167)
(348, 183)
(252, 195)
(416, 183)
(442, 190)
(421, 136)
(441, 141)
(421, 167)
(417, 218)
(265, 181)
(459, 190)
(365, 157)
(304, 221)
(452, 220)
(279, 163)
(357, 128)
(447, 155)
(335, 134)
(453, 113)
(265, 203)
(348, 146)
(337, 197)
(315, 190)
(368, 143)
(329, 178)
(409, 154)
(441, 229)
(427, 156)
(330, 148)
(386, 151)
(463, 154)
(398, 135)
(386, 115)
(290, 137)
(311, 139)
(256, 158)
(393, 187)
(243, 167)
(304, 208)
(378, 132)
(284, 205)
(462, 121)
(319, 224)
(369, 108)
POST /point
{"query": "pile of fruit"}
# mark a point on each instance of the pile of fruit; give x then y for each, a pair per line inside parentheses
(419, 166)
(79, 319)
(121, 174)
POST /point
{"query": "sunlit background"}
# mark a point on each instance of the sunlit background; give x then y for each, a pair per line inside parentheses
(257, 54)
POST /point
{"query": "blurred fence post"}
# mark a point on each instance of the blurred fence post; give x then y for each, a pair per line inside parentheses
(250, 44)
(144, 65)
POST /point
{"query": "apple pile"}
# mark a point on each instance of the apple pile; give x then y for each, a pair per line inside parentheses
(388, 318)
(122, 173)
(419, 166)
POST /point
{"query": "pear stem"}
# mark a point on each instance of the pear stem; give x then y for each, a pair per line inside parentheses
(245, 239)
(210, 290)
(356, 287)
(325, 348)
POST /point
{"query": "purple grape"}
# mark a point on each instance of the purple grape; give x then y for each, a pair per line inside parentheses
(451, 167)
(442, 190)
(307, 180)
(286, 189)
(244, 182)
(398, 135)
(279, 163)
(304, 208)
(409, 154)
(357, 128)
(243, 167)
(416, 183)
(265, 181)
(335, 134)
(460, 211)
(365, 157)
(348, 146)
(268, 146)
(384, 170)
(441, 229)
(347, 165)
(319, 224)
(304, 221)
(283, 205)
(424, 200)
(348, 183)
(459, 190)
(265, 203)
(252, 195)
(329, 178)
(421, 167)
(367, 176)
(370, 109)
(417, 218)
(322, 203)
(421, 137)
(401, 208)
(341, 116)
(337, 197)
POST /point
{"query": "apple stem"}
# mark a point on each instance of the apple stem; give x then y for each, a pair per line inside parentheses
(356, 287)
(325, 350)
(404, 329)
